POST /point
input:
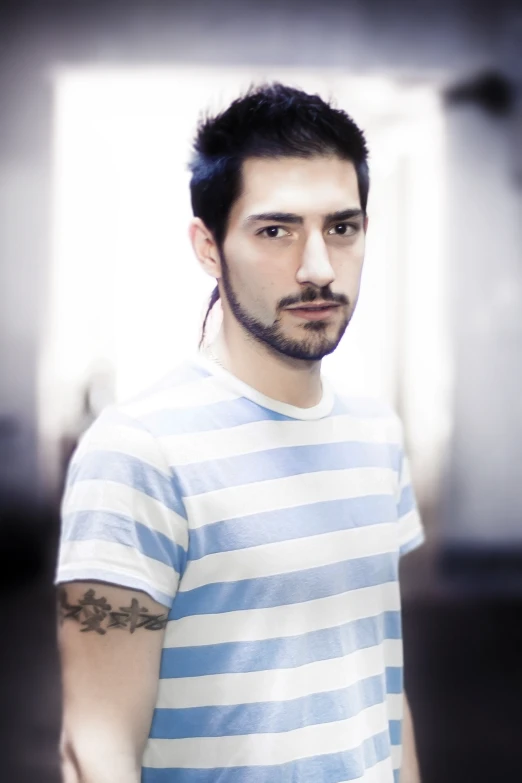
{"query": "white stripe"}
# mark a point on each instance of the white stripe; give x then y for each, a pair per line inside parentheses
(285, 557)
(109, 556)
(262, 749)
(109, 496)
(194, 394)
(395, 701)
(278, 622)
(409, 526)
(288, 492)
(396, 756)
(379, 773)
(265, 435)
(279, 685)
(130, 441)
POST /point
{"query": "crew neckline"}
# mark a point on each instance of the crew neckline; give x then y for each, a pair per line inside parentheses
(323, 408)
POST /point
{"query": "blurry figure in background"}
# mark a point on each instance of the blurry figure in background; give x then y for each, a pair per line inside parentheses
(228, 570)
(96, 394)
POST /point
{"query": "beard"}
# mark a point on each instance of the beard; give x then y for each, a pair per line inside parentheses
(313, 346)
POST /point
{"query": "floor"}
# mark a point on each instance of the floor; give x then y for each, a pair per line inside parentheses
(462, 655)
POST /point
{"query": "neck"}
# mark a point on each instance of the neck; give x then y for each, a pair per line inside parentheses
(293, 381)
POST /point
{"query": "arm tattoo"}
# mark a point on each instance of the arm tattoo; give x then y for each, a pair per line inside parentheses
(96, 614)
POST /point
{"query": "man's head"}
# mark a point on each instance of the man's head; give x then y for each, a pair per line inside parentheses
(279, 192)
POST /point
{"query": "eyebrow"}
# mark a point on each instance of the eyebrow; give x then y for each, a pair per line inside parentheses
(290, 217)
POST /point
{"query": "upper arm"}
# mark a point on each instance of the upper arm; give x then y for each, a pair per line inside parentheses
(110, 641)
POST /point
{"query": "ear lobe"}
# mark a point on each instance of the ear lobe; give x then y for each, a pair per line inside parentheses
(205, 248)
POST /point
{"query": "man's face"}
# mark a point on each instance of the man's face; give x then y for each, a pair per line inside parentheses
(296, 236)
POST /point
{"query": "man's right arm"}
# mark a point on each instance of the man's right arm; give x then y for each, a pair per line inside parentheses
(110, 641)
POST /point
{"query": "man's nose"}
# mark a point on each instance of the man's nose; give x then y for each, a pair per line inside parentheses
(315, 263)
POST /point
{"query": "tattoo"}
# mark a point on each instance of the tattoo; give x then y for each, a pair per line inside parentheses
(92, 612)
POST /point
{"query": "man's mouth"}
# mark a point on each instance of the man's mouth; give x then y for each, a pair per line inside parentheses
(314, 312)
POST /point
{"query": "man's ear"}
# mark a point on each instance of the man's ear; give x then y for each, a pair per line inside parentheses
(205, 248)
(365, 224)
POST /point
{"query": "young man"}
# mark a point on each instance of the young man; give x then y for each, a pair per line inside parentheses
(228, 569)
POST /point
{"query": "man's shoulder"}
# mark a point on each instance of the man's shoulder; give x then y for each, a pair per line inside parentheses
(184, 388)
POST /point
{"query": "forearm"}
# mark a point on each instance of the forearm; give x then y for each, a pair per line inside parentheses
(410, 766)
(97, 766)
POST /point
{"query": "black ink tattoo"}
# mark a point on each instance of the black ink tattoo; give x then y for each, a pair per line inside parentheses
(90, 612)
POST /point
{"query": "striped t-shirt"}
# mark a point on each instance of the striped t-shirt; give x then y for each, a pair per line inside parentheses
(273, 534)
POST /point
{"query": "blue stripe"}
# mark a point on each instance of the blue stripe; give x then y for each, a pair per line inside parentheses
(284, 461)
(284, 589)
(130, 471)
(286, 524)
(396, 775)
(394, 679)
(407, 500)
(213, 416)
(268, 717)
(281, 653)
(184, 374)
(120, 529)
(395, 731)
(331, 767)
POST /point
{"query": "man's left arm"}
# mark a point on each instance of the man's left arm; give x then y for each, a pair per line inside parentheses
(410, 766)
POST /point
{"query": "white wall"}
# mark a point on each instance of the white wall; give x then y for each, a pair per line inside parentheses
(127, 290)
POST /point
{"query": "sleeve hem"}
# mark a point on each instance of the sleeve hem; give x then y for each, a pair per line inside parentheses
(119, 579)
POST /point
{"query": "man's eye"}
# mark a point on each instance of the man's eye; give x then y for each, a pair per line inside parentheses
(272, 232)
(343, 229)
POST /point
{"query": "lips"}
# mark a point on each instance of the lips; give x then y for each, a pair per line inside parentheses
(314, 312)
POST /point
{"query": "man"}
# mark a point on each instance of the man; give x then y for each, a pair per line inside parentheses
(228, 570)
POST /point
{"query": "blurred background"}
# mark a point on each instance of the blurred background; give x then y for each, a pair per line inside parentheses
(100, 295)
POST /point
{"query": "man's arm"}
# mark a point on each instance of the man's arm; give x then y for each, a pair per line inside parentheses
(410, 767)
(110, 641)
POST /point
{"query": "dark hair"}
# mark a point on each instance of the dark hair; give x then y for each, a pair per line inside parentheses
(268, 121)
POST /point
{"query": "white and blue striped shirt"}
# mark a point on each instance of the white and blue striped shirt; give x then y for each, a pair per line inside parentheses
(273, 534)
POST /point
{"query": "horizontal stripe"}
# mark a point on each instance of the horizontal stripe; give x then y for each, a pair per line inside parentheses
(275, 463)
(219, 415)
(287, 524)
(197, 392)
(407, 500)
(117, 433)
(289, 492)
(88, 573)
(286, 589)
(314, 771)
(395, 732)
(281, 685)
(278, 622)
(108, 496)
(394, 679)
(123, 469)
(258, 436)
(396, 756)
(116, 559)
(412, 543)
(285, 557)
(282, 652)
(119, 529)
(268, 717)
(279, 748)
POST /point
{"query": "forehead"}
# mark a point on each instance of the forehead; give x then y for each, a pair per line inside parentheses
(304, 186)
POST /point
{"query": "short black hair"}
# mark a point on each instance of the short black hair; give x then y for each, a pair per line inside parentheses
(268, 121)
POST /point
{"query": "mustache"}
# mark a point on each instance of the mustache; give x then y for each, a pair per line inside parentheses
(313, 295)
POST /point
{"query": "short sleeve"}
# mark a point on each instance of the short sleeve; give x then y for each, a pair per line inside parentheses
(411, 530)
(122, 520)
